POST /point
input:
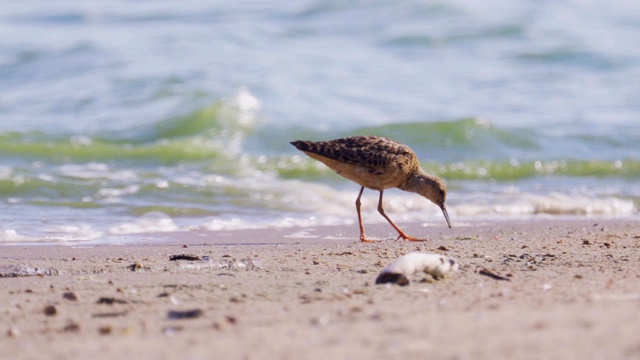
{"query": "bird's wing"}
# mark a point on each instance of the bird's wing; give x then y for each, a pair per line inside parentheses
(365, 151)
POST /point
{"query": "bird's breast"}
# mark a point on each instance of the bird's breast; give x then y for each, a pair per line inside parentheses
(372, 177)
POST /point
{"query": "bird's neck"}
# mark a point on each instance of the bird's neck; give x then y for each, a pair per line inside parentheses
(412, 183)
(417, 180)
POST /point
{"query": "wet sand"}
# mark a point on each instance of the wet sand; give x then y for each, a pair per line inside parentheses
(567, 289)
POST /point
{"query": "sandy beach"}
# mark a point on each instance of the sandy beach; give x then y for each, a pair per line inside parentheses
(564, 289)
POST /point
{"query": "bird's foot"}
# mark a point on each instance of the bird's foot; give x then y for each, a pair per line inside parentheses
(406, 237)
(364, 239)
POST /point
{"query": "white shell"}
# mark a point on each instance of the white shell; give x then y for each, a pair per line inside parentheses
(435, 265)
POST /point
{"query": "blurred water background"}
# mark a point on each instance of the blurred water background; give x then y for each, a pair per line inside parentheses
(125, 117)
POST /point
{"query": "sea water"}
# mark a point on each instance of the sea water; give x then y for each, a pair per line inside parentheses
(122, 117)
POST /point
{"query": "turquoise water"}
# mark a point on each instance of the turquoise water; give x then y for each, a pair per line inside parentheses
(119, 118)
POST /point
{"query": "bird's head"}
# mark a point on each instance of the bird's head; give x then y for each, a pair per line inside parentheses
(431, 187)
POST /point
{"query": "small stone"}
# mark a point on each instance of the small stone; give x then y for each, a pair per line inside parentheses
(110, 301)
(172, 330)
(134, 267)
(184, 257)
(13, 332)
(70, 296)
(393, 278)
(72, 327)
(188, 314)
(50, 310)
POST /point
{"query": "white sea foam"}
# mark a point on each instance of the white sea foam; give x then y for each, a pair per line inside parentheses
(552, 204)
(70, 233)
(95, 170)
(149, 222)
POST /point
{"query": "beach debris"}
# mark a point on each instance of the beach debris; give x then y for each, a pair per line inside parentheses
(50, 310)
(320, 320)
(109, 314)
(399, 279)
(72, 326)
(237, 300)
(342, 253)
(134, 266)
(13, 332)
(185, 314)
(184, 257)
(7, 271)
(110, 301)
(236, 265)
(229, 320)
(172, 330)
(493, 275)
(137, 266)
(70, 295)
(105, 330)
(434, 265)
(529, 262)
(207, 264)
(174, 300)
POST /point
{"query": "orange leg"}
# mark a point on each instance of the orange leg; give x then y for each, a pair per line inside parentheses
(381, 211)
(362, 237)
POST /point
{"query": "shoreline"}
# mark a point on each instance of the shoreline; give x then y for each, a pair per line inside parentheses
(381, 231)
(308, 293)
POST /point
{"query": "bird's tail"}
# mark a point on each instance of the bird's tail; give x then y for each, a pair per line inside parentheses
(305, 145)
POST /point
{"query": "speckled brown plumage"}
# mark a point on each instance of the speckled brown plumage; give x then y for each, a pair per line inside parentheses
(377, 163)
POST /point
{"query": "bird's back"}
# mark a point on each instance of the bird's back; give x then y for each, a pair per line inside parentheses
(371, 161)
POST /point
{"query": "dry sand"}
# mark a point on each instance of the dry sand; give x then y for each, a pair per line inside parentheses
(573, 292)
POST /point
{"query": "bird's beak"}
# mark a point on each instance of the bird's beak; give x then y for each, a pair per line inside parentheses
(446, 215)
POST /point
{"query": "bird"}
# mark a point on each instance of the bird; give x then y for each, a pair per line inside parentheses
(378, 163)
